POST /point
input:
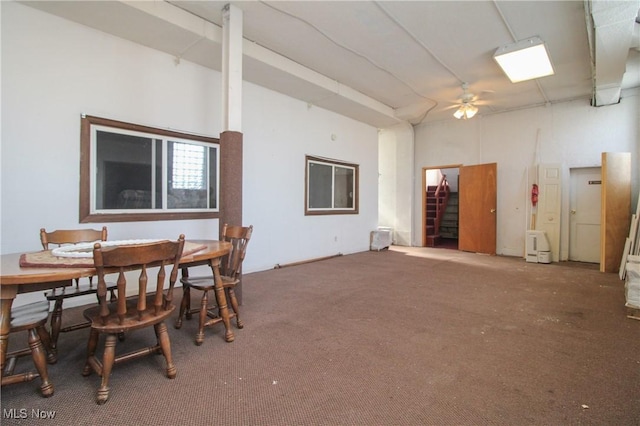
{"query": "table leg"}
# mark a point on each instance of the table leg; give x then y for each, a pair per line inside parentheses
(221, 300)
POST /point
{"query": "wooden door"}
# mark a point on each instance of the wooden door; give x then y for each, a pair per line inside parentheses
(477, 208)
(616, 208)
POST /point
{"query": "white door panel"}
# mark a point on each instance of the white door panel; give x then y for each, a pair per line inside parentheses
(584, 215)
(549, 205)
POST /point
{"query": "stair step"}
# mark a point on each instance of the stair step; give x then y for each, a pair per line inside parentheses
(433, 240)
(448, 226)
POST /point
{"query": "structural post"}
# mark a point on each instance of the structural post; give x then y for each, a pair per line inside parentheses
(231, 68)
(231, 136)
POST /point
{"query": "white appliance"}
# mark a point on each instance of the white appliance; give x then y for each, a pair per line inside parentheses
(538, 249)
(381, 239)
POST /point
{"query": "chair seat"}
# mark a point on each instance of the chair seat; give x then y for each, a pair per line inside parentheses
(206, 282)
(31, 318)
(27, 316)
(76, 290)
(131, 319)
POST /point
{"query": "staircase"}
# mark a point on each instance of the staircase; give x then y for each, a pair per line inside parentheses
(437, 198)
(449, 223)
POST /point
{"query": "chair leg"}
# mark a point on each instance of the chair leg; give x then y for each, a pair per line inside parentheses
(223, 310)
(184, 306)
(91, 351)
(202, 317)
(235, 307)
(187, 313)
(165, 345)
(56, 324)
(107, 364)
(45, 338)
(39, 360)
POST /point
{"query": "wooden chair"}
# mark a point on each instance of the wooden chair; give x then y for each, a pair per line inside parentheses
(230, 269)
(144, 310)
(32, 318)
(58, 295)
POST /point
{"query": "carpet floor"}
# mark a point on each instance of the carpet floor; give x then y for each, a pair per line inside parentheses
(406, 336)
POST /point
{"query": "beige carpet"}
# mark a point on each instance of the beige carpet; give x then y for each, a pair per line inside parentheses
(407, 336)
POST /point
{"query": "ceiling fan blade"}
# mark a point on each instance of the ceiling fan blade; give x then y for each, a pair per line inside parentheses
(470, 98)
(451, 107)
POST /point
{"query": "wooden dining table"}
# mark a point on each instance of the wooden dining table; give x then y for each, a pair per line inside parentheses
(15, 279)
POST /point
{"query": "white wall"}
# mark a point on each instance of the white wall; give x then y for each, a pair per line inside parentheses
(55, 70)
(278, 132)
(395, 203)
(573, 134)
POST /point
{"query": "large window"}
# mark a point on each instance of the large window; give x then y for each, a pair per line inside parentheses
(131, 172)
(331, 187)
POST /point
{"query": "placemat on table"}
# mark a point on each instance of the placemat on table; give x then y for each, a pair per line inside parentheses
(44, 258)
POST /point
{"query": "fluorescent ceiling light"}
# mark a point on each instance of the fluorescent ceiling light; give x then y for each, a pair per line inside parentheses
(524, 60)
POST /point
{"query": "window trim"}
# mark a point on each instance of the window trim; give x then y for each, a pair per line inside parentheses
(85, 174)
(331, 211)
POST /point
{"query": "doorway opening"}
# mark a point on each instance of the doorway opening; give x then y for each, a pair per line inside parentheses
(440, 217)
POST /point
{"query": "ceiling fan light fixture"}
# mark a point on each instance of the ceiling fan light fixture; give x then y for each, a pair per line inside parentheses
(465, 111)
(471, 111)
(524, 60)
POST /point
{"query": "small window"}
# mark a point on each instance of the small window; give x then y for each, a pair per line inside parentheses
(132, 172)
(331, 187)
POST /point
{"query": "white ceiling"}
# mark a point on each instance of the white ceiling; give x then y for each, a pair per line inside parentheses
(382, 62)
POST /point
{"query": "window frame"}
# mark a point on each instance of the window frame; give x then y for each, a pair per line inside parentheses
(87, 216)
(331, 210)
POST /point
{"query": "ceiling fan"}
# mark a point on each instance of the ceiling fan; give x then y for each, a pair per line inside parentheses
(468, 105)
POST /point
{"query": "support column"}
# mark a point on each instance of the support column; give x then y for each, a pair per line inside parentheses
(231, 178)
(231, 68)
(231, 136)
